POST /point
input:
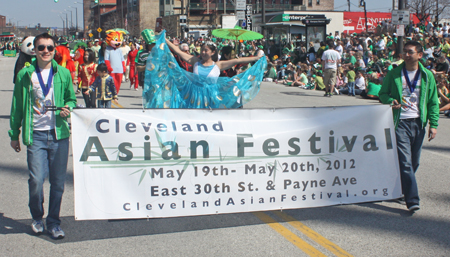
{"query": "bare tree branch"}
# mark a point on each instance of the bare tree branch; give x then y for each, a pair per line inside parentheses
(425, 9)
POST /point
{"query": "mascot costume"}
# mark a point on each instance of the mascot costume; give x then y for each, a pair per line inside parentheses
(26, 55)
(63, 58)
(113, 56)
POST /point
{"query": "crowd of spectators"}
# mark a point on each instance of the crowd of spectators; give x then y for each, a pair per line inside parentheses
(365, 61)
(365, 58)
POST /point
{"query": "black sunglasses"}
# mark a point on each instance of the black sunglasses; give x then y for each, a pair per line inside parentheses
(41, 48)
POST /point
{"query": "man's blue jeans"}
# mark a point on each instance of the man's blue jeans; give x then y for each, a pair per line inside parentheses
(410, 135)
(47, 157)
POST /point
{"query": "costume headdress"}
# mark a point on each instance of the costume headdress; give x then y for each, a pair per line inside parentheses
(114, 38)
(149, 36)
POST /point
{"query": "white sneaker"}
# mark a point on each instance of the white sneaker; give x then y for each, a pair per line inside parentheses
(414, 208)
(37, 226)
(56, 232)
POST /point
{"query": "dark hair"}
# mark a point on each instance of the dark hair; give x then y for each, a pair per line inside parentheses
(101, 52)
(330, 44)
(213, 48)
(102, 67)
(226, 50)
(91, 57)
(416, 44)
(43, 35)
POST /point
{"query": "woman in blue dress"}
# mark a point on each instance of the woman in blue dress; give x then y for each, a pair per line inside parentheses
(169, 86)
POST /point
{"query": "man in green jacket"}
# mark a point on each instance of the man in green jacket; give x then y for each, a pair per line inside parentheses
(41, 103)
(411, 91)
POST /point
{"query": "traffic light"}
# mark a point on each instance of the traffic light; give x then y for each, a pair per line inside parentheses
(96, 1)
(56, 1)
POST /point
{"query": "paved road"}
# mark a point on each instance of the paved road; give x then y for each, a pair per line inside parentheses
(369, 229)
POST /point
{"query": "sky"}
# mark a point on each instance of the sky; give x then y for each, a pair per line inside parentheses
(371, 5)
(32, 12)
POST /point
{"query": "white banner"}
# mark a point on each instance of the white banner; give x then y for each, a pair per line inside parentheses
(172, 162)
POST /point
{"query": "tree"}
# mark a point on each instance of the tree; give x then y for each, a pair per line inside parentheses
(428, 9)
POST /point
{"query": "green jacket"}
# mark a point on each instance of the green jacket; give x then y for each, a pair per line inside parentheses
(22, 106)
(428, 101)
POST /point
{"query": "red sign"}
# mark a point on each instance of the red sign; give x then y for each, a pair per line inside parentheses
(355, 21)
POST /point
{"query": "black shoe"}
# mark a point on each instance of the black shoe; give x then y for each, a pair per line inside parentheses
(330, 94)
(326, 94)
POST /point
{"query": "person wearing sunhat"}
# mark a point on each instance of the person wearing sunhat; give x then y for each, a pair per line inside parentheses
(141, 58)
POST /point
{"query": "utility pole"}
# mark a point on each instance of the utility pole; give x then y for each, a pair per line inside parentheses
(401, 6)
(365, 16)
(263, 17)
(348, 2)
(182, 7)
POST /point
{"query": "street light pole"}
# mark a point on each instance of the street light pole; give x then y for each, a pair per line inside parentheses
(76, 17)
(67, 25)
(63, 23)
(71, 20)
(83, 17)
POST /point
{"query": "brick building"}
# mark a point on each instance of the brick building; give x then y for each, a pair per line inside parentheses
(136, 15)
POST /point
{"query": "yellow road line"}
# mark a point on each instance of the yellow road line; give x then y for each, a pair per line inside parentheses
(286, 233)
(330, 246)
(114, 105)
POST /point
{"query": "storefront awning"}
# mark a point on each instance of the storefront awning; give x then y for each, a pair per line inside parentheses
(281, 24)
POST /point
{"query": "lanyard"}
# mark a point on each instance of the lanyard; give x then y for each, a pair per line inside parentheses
(45, 87)
(412, 86)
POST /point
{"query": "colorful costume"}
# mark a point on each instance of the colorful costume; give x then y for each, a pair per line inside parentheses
(114, 58)
(105, 91)
(62, 56)
(131, 61)
(167, 85)
(87, 74)
(78, 60)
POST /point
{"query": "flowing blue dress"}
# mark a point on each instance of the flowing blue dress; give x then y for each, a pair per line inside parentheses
(167, 85)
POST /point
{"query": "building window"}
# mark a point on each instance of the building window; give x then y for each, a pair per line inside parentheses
(167, 1)
(309, 2)
(318, 2)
